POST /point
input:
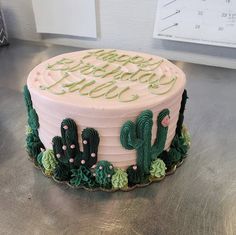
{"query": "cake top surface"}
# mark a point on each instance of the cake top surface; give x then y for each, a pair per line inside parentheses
(107, 79)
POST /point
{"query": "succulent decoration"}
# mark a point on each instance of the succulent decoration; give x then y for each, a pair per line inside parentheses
(33, 142)
(158, 168)
(82, 176)
(49, 162)
(103, 174)
(119, 179)
(135, 175)
(138, 136)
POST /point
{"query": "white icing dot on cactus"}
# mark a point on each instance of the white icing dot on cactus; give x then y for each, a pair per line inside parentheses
(111, 167)
(71, 160)
(85, 142)
(65, 127)
(93, 154)
(109, 176)
(64, 147)
(94, 166)
(94, 174)
(135, 167)
(82, 161)
(72, 146)
(42, 149)
(100, 167)
(58, 155)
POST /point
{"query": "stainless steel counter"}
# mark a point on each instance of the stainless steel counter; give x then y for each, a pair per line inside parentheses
(200, 198)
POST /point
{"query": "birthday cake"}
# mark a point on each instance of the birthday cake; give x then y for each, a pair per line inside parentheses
(106, 119)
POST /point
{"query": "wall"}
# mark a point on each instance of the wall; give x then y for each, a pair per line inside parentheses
(124, 24)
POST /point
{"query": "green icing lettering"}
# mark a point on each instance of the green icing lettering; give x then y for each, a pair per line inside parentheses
(114, 71)
(154, 87)
(99, 88)
(100, 71)
(136, 60)
(85, 86)
(125, 76)
(72, 87)
(121, 96)
(152, 66)
(146, 77)
(110, 91)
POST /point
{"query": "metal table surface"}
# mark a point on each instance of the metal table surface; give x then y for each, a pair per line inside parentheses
(198, 199)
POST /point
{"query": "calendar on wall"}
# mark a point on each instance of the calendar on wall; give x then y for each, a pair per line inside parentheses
(211, 22)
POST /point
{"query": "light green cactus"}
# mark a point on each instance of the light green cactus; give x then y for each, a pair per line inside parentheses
(49, 162)
(158, 168)
(119, 179)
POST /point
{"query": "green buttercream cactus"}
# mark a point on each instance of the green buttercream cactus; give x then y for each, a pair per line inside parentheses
(138, 136)
(62, 172)
(178, 149)
(181, 113)
(82, 177)
(186, 136)
(103, 174)
(33, 142)
(67, 150)
(49, 162)
(158, 168)
(120, 179)
(39, 159)
(135, 175)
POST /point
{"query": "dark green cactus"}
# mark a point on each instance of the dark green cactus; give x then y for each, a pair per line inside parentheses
(181, 113)
(82, 176)
(135, 175)
(138, 136)
(103, 174)
(67, 150)
(33, 142)
(178, 150)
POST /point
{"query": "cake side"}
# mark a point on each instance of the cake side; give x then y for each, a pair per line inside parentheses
(105, 115)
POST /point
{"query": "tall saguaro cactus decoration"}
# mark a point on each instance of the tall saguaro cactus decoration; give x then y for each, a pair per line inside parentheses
(33, 142)
(181, 113)
(138, 136)
(67, 150)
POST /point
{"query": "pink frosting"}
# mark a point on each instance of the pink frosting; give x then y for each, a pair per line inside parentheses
(105, 115)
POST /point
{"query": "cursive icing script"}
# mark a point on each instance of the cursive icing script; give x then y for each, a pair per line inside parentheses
(113, 81)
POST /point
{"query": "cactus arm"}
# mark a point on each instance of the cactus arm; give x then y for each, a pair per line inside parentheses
(144, 125)
(59, 153)
(162, 129)
(90, 139)
(128, 137)
(70, 139)
(181, 113)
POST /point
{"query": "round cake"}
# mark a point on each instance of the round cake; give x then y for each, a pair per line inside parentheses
(108, 114)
